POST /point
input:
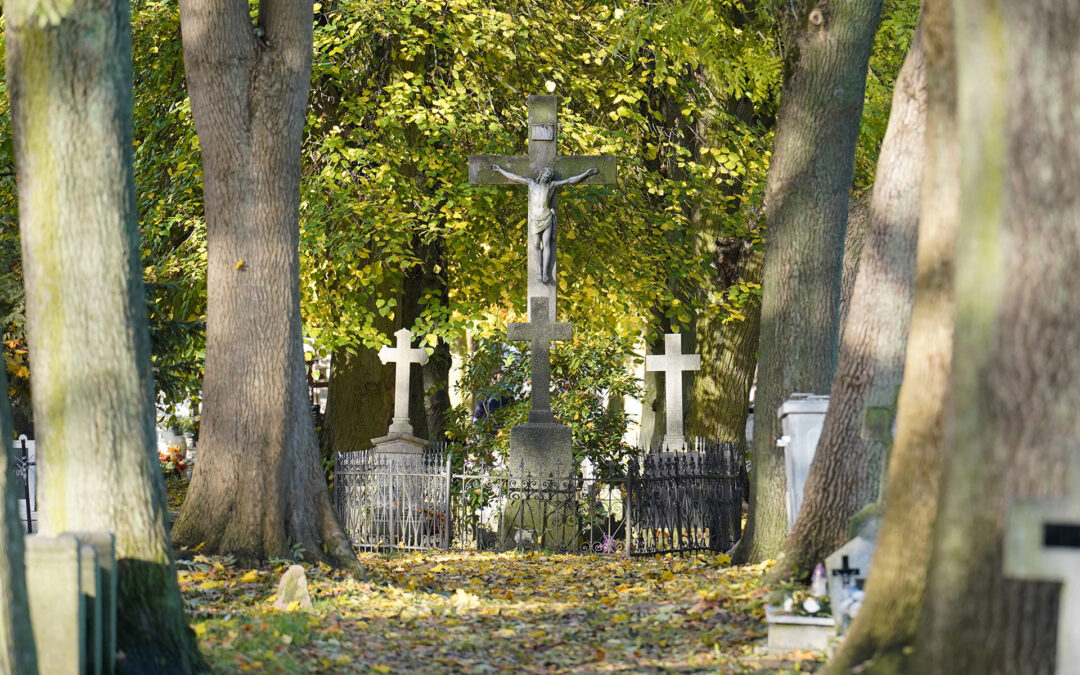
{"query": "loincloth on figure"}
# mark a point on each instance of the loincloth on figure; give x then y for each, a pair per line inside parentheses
(543, 223)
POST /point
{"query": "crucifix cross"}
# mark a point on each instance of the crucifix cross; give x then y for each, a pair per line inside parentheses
(673, 363)
(845, 572)
(541, 332)
(404, 357)
(544, 171)
(1042, 543)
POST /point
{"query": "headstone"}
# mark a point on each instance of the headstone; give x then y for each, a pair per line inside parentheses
(540, 445)
(801, 418)
(544, 171)
(789, 633)
(293, 588)
(1042, 543)
(399, 455)
(846, 570)
(54, 585)
(673, 363)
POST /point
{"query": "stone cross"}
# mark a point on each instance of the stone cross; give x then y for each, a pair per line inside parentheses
(1042, 543)
(673, 362)
(845, 572)
(540, 331)
(530, 170)
(403, 356)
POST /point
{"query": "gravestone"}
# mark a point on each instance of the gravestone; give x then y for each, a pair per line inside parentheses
(673, 363)
(399, 455)
(1042, 543)
(847, 567)
(104, 545)
(801, 418)
(540, 448)
(58, 603)
(544, 171)
(293, 588)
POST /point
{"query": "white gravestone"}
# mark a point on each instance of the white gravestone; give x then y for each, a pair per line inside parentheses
(1042, 543)
(58, 603)
(403, 355)
(801, 418)
(845, 573)
(544, 171)
(673, 363)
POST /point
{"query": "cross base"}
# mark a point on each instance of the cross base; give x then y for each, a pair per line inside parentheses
(541, 450)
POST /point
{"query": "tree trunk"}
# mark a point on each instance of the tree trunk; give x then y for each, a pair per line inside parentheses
(429, 388)
(258, 489)
(807, 198)
(70, 81)
(881, 636)
(846, 472)
(1015, 379)
(720, 402)
(858, 219)
(17, 650)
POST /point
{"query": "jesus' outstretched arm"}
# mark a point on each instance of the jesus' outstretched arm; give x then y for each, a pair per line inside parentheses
(510, 176)
(575, 179)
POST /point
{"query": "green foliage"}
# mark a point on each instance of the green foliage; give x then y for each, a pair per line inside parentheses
(586, 376)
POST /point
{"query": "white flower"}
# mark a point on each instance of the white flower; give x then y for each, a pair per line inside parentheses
(811, 605)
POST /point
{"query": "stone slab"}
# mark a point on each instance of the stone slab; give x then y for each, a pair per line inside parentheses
(541, 450)
(57, 604)
(789, 633)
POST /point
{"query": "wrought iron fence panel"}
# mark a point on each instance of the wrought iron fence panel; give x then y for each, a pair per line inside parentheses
(668, 502)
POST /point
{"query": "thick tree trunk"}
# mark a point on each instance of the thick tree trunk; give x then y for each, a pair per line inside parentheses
(1015, 379)
(258, 489)
(881, 636)
(17, 650)
(721, 390)
(359, 401)
(857, 222)
(430, 384)
(846, 473)
(807, 199)
(70, 81)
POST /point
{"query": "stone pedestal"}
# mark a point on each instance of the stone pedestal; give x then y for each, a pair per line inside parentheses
(58, 603)
(399, 489)
(541, 512)
(788, 633)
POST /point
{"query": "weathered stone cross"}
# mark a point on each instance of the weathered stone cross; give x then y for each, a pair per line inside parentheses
(1042, 543)
(530, 170)
(404, 357)
(540, 332)
(673, 362)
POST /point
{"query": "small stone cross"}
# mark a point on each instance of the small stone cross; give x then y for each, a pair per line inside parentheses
(528, 169)
(540, 331)
(673, 363)
(1042, 543)
(403, 356)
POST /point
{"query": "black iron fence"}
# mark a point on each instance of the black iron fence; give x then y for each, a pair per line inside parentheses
(25, 470)
(667, 501)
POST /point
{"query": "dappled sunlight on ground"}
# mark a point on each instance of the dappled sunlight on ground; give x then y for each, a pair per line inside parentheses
(476, 613)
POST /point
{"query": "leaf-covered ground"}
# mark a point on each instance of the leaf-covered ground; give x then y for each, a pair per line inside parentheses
(479, 613)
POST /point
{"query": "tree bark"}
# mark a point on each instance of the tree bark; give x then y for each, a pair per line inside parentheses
(807, 198)
(858, 219)
(359, 401)
(846, 472)
(430, 384)
(258, 489)
(881, 637)
(1012, 422)
(69, 72)
(17, 650)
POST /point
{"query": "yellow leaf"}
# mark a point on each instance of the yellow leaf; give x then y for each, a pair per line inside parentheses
(250, 576)
(381, 669)
(437, 569)
(210, 585)
(239, 263)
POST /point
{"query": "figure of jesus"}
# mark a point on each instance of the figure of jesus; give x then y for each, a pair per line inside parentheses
(542, 211)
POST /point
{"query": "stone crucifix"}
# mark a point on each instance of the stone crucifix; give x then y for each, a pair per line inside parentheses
(541, 332)
(404, 356)
(673, 363)
(544, 171)
(1042, 543)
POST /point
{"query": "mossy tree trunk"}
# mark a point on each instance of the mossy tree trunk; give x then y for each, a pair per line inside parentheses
(1015, 382)
(846, 472)
(17, 649)
(258, 489)
(807, 196)
(881, 637)
(70, 79)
